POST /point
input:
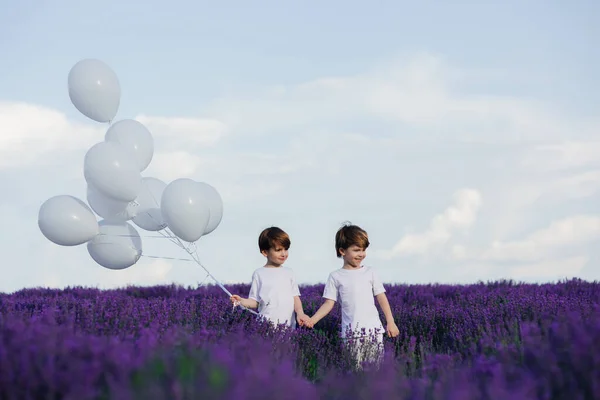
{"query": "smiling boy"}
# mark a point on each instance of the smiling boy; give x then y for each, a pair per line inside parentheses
(354, 286)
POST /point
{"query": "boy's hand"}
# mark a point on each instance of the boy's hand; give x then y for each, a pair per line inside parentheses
(235, 299)
(392, 329)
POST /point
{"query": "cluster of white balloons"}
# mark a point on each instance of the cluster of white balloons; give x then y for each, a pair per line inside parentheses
(116, 190)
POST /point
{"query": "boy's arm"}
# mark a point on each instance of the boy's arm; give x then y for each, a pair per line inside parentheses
(330, 292)
(253, 297)
(379, 292)
(392, 329)
(248, 303)
(325, 309)
(298, 306)
(296, 293)
(385, 307)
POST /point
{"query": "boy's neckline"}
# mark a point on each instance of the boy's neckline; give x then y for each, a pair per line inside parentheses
(353, 269)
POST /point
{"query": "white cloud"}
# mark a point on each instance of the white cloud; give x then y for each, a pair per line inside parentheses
(571, 232)
(420, 94)
(196, 130)
(33, 133)
(459, 216)
(173, 165)
(528, 181)
(376, 148)
(563, 155)
(36, 134)
(574, 186)
(560, 250)
(512, 200)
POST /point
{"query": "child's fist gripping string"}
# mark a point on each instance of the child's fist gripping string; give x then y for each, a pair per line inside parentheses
(248, 303)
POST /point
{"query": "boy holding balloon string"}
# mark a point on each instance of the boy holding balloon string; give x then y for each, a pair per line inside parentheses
(274, 290)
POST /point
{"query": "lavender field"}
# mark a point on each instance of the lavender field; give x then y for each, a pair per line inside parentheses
(499, 340)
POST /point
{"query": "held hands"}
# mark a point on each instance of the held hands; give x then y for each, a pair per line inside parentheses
(305, 320)
(302, 319)
(392, 329)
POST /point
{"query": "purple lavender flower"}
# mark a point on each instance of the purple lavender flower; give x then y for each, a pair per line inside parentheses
(489, 340)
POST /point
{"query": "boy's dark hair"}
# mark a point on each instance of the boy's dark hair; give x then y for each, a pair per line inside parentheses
(349, 235)
(272, 237)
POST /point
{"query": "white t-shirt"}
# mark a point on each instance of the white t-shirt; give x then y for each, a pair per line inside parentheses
(355, 290)
(274, 290)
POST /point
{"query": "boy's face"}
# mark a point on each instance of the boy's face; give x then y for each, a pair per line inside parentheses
(276, 255)
(354, 255)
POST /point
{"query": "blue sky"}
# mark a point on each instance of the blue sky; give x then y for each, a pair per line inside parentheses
(463, 137)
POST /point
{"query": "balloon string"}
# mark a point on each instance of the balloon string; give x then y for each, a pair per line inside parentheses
(167, 258)
(134, 236)
(188, 249)
(202, 283)
(169, 235)
(195, 257)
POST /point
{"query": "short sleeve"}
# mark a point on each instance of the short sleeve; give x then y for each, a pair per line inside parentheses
(331, 291)
(254, 288)
(377, 285)
(295, 289)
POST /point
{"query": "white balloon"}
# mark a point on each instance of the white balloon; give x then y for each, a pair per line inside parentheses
(135, 138)
(94, 90)
(67, 221)
(109, 208)
(215, 204)
(185, 208)
(112, 171)
(148, 214)
(116, 246)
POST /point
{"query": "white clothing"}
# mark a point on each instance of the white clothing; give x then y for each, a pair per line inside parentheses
(366, 349)
(274, 290)
(355, 289)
